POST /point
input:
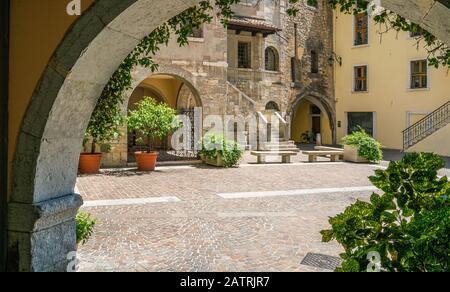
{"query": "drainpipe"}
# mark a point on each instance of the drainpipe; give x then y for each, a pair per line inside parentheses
(4, 92)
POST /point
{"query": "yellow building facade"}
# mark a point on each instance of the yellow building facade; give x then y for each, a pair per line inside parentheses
(385, 85)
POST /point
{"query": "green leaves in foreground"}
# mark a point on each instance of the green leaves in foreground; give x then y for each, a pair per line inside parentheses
(85, 227)
(408, 226)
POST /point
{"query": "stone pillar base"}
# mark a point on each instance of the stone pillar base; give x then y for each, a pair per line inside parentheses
(41, 235)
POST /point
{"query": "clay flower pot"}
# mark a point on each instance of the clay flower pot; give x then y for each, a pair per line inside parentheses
(146, 161)
(90, 163)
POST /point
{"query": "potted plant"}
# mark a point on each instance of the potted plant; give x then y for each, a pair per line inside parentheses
(151, 120)
(360, 147)
(84, 226)
(217, 151)
(103, 127)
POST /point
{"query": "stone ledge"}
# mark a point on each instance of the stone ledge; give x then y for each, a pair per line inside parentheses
(43, 215)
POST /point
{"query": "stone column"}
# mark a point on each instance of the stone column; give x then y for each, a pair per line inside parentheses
(42, 235)
(260, 52)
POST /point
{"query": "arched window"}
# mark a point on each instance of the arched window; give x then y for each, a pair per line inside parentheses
(271, 105)
(272, 59)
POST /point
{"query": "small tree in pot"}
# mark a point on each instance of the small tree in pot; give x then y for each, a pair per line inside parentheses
(104, 126)
(151, 120)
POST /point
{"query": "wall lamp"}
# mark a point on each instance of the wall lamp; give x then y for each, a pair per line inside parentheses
(335, 58)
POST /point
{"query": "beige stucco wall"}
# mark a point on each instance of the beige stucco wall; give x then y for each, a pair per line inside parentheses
(37, 27)
(389, 96)
(302, 122)
(437, 143)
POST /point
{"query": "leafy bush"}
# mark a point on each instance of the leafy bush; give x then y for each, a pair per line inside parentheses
(368, 147)
(214, 145)
(85, 227)
(152, 120)
(409, 225)
(308, 137)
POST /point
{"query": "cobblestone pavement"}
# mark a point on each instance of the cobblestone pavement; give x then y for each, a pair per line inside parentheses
(205, 232)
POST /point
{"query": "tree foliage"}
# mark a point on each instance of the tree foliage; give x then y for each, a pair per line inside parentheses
(408, 226)
(153, 120)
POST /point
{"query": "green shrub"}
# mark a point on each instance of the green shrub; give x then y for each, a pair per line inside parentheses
(215, 145)
(368, 147)
(409, 225)
(152, 120)
(85, 227)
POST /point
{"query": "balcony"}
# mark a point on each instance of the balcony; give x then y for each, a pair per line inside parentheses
(236, 75)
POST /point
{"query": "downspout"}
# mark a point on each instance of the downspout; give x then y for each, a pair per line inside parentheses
(4, 93)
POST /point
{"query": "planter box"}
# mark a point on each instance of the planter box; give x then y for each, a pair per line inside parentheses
(351, 154)
(214, 162)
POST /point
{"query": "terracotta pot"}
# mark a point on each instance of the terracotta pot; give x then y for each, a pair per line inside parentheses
(146, 161)
(90, 163)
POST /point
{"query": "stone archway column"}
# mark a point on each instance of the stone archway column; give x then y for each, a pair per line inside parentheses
(41, 235)
(41, 224)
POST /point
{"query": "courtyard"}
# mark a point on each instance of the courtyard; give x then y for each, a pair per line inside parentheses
(199, 218)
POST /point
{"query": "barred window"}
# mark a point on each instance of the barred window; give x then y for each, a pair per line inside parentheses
(244, 55)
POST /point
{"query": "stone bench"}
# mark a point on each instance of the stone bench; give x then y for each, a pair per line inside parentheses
(285, 155)
(325, 148)
(333, 155)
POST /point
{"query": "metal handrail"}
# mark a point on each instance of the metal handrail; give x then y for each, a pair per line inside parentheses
(426, 126)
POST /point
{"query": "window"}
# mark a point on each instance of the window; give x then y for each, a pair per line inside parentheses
(419, 74)
(360, 120)
(360, 75)
(244, 55)
(271, 105)
(197, 33)
(271, 59)
(314, 62)
(361, 29)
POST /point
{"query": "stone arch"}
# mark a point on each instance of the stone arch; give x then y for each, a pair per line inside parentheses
(156, 93)
(41, 227)
(140, 73)
(43, 204)
(272, 105)
(322, 103)
(187, 98)
(119, 156)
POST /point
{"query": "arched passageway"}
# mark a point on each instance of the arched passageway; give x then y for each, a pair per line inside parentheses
(178, 93)
(312, 115)
(41, 227)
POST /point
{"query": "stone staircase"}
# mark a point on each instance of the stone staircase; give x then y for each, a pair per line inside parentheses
(237, 101)
(279, 145)
(426, 126)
